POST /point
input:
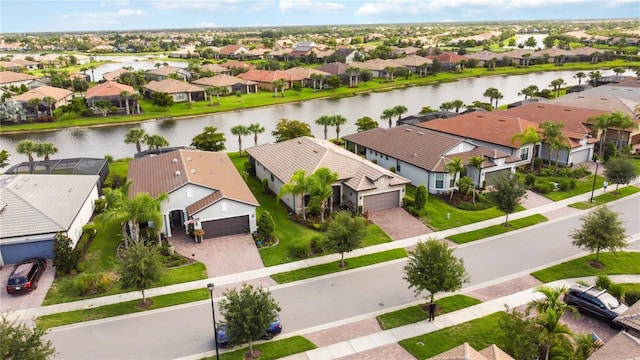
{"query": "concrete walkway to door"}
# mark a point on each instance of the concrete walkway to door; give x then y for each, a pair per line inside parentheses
(398, 223)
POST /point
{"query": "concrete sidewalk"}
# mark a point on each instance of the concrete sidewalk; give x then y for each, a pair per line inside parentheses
(251, 275)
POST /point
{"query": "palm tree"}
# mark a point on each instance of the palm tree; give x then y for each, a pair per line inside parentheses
(552, 300)
(580, 75)
(622, 122)
(457, 104)
(529, 136)
(255, 129)
(136, 99)
(556, 85)
(388, 114)
(320, 186)
(155, 141)
(135, 136)
(398, 110)
(476, 162)
(125, 95)
(529, 91)
(27, 147)
(45, 149)
(297, 185)
(210, 91)
(551, 134)
(553, 333)
(34, 103)
(600, 125)
(594, 77)
(454, 167)
(491, 93)
(353, 72)
(93, 75)
(337, 120)
(49, 101)
(324, 120)
(240, 131)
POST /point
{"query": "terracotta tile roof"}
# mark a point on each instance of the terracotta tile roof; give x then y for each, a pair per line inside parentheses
(633, 82)
(306, 153)
(373, 64)
(11, 76)
(495, 353)
(24, 62)
(167, 172)
(413, 60)
(164, 70)
(484, 55)
(237, 64)
(606, 103)
(114, 75)
(631, 317)
(108, 88)
(448, 57)
(574, 118)
(305, 73)
(623, 346)
(216, 68)
(462, 352)
(232, 49)
(172, 86)
(426, 149)
(204, 202)
(43, 91)
(268, 76)
(490, 127)
(222, 80)
(335, 68)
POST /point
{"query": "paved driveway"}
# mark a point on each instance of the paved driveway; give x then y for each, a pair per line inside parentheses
(398, 223)
(24, 300)
(222, 255)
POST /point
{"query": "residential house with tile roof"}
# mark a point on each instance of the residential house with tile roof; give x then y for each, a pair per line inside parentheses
(362, 185)
(51, 203)
(203, 186)
(231, 83)
(580, 134)
(630, 320)
(421, 155)
(11, 78)
(346, 54)
(305, 74)
(111, 91)
(334, 68)
(376, 66)
(449, 61)
(414, 63)
(114, 75)
(180, 91)
(164, 72)
(233, 51)
(265, 78)
(60, 96)
(466, 352)
(214, 68)
(623, 346)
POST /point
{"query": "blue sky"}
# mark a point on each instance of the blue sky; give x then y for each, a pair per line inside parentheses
(90, 15)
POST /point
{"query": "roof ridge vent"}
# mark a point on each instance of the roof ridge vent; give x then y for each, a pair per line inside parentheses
(174, 160)
(177, 173)
(193, 171)
(409, 130)
(420, 133)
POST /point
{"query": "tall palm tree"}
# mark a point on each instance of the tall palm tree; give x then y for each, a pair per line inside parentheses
(353, 72)
(529, 136)
(553, 333)
(601, 125)
(491, 93)
(529, 91)
(320, 187)
(135, 136)
(551, 135)
(326, 121)
(476, 162)
(125, 95)
(399, 110)
(27, 147)
(93, 75)
(457, 104)
(623, 122)
(556, 85)
(49, 101)
(297, 185)
(155, 141)
(136, 99)
(580, 75)
(454, 167)
(388, 114)
(34, 103)
(594, 77)
(337, 120)
(45, 149)
(240, 131)
(255, 129)
(552, 300)
(210, 91)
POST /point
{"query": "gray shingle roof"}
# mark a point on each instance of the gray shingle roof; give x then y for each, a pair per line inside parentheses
(309, 154)
(42, 204)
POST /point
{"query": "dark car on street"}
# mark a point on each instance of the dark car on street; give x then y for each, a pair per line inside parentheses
(25, 275)
(595, 302)
(274, 328)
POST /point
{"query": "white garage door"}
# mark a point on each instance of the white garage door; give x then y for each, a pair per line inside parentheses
(579, 157)
(382, 201)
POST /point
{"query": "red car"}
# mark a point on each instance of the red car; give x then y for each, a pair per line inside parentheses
(25, 275)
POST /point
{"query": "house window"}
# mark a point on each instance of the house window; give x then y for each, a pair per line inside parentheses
(452, 180)
(439, 181)
(524, 153)
(376, 153)
(397, 165)
(370, 151)
(386, 157)
(271, 177)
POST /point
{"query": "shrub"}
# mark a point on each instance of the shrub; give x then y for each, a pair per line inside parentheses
(392, 169)
(82, 266)
(104, 283)
(406, 202)
(537, 162)
(564, 171)
(603, 282)
(375, 161)
(543, 187)
(100, 204)
(317, 244)
(265, 185)
(546, 172)
(65, 257)
(580, 172)
(609, 151)
(617, 291)
(266, 226)
(90, 229)
(567, 184)
(84, 284)
(530, 180)
(413, 211)
(301, 249)
(631, 297)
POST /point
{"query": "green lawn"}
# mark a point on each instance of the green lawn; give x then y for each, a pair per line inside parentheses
(123, 308)
(274, 349)
(415, 313)
(352, 263)
(479, 333)
(605, 198)
(497, 229)
(615, 264)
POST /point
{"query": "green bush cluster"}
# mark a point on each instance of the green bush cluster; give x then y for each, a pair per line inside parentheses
(567, 184)
(631, 297)
(317, 244)
(92, 284)
(543, 187)
(301, 249)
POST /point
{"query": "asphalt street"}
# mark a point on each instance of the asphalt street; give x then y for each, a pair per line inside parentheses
(185, 330)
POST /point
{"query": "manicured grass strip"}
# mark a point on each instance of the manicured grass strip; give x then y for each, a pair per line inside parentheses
(497, 229)
(129, 307)
(479, 333)
(583, 185)
(605, 198)
(614, 264)
(415, 313)
(177, 275)
(333, 267)
(271, 349)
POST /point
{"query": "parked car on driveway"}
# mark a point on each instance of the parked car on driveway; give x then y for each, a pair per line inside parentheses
(25, 275)
(595, 302)
(224, 338)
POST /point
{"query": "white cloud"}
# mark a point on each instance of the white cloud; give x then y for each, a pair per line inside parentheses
(102, 18)
(105, 3)
(205, 25)
(310, 6)
(259, 6)
(200, 5)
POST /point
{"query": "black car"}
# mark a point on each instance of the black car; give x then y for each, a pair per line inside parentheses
(26, 274)
(595, 302)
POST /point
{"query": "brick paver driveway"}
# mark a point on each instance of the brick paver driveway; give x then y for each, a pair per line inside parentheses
(398, 223)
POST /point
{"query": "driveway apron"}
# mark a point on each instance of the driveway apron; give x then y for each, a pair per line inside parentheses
(398, 223)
